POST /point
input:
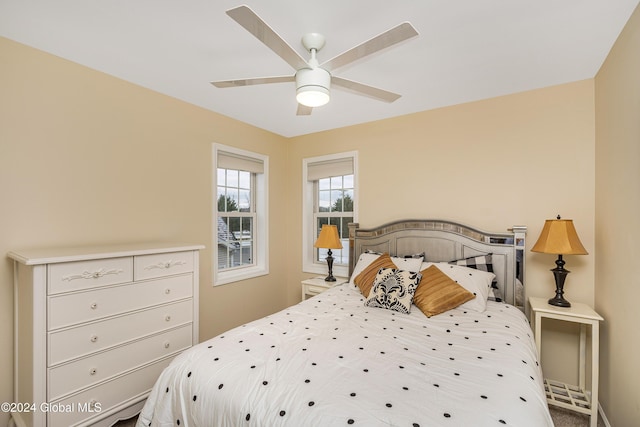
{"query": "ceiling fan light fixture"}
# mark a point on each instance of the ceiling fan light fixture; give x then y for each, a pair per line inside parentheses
(312, 87)
(312, 96)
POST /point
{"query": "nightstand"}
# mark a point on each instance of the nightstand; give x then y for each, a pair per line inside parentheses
(317, 285)
(575, 398)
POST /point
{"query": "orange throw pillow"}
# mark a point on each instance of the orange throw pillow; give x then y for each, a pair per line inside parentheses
(438, 293)
(365, 279)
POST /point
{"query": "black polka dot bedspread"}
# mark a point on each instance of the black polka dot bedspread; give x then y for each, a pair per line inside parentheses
(331, 361)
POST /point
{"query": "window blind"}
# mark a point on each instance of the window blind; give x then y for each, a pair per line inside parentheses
(328, 168)
(239, 162)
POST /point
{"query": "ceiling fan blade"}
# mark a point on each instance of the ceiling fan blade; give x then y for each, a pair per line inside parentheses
(303, 110)
(366, 90)
(255, 81)
(251, 22)
(384, 40)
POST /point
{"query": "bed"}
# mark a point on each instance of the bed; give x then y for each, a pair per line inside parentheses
(338, 359)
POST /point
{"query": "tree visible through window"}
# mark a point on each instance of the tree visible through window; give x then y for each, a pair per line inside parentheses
(334, 205)
(240, 214)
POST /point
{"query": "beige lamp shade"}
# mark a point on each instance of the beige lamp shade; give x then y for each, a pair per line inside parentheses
(328, 238)
(559, 237)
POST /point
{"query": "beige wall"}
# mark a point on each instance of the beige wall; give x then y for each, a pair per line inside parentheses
(618, 225)
(86, 158)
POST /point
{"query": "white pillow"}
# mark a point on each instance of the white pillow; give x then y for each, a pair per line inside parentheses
(366, 258)
(477, 282)
(425, 265)
(363, 262)
(408, 264)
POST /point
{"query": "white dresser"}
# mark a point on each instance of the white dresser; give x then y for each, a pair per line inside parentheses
(94, 327)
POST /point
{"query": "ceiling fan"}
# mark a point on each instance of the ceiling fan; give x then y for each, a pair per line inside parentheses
(313, 80)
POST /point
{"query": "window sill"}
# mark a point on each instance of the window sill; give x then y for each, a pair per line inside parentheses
(338, 270)
(239, 275)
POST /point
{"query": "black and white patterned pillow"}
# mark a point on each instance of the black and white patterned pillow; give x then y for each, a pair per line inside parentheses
(482, 263)
(479, 262)
(393, 289)
(419, 255)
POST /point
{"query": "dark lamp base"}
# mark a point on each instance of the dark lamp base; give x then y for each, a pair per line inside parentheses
(330, 277)
(560, 274)
(559, 302)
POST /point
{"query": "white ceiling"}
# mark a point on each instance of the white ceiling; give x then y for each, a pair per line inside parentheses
(467, 49)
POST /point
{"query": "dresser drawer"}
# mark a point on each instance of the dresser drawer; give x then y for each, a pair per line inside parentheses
(67, 344)
(158, 265)
(91, 403)
(72, 308)
(77, 275)
(81, 373)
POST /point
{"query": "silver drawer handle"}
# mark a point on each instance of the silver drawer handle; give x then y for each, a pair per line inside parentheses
(167, 291)
(166, 264)
(93, 405)
(95, 275)
(167, 318)
(167, 344)
(94, 306)
(93, 371)
(94, 338)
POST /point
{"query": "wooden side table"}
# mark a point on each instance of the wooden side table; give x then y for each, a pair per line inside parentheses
(575, 398)
(316, 285)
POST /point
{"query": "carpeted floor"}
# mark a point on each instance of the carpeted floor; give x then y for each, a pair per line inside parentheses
(565, 418)
(561, 418)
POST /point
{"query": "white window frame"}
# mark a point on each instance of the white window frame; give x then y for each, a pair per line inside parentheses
(261, 233)
(309, 265)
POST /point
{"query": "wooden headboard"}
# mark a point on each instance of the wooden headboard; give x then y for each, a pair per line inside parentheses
(447, 241)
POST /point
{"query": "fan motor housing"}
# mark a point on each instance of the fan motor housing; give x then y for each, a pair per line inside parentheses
(312, 86)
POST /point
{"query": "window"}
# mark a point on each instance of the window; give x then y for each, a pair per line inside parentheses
(240, 219)
(236, 217)
(329, 197)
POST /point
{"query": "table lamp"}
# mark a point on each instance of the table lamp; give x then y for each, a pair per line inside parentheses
(329, 239)
(559, 237)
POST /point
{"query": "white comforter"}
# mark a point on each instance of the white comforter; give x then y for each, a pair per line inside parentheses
(331, 361)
